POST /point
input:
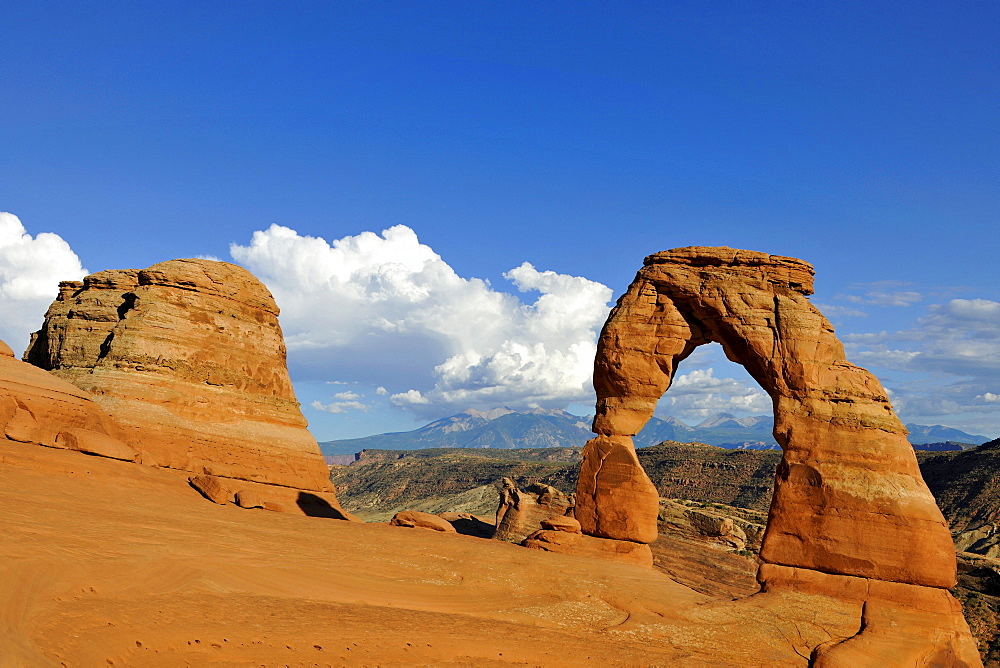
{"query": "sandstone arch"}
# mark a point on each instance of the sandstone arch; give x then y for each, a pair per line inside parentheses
(849, 498)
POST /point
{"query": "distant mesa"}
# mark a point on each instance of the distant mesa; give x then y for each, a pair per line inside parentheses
(188, 358)
(967, 488)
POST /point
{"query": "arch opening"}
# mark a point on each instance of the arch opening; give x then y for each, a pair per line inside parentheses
(706, 388)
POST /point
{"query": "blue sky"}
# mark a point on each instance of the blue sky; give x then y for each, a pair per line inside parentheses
(577, 137)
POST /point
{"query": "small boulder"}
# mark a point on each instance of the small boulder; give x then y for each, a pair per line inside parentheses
(19, 422)
(421, 520)
(521, 511)
(246, 498)
(211, 488)
(717, 526)
(562, 523)
(709, 524)
(624, 551)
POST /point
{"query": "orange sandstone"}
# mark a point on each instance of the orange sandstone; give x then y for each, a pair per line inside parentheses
(848, 497)
(851, 517)
(189, 358)
(36, 407)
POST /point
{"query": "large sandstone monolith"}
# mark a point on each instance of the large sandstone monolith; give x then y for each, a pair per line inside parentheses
(850, 517)
(189, 358)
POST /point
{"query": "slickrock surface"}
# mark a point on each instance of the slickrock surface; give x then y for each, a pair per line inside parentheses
(36, 407)
(188, 357)
(104, 562)
(849, 499)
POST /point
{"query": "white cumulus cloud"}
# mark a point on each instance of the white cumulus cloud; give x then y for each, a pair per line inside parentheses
(337, 407)
(409, 398)
(347, 396)
(950, 359)
(30, 271)
(698, 394)
(881, 293)
(388, 311)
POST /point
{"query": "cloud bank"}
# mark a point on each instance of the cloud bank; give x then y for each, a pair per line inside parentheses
(30, 271)
(949, 359)
(698, 394)
(373, 308)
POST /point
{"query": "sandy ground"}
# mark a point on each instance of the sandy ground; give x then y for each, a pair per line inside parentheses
(109, 563)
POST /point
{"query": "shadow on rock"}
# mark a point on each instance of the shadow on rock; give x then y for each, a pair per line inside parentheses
(316, 506)
(469, 525)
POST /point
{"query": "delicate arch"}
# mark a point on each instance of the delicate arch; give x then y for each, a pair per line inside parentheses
(848, 497)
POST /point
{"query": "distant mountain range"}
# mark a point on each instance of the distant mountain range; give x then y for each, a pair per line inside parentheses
(920, 434)
(543, 428)
(497, 428)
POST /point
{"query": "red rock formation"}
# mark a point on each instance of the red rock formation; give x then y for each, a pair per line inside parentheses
(416, 519)
(212, 488)
(848, 497)
(848, 500)
(561, 523)
(189, 358)
(521, 511)
(900, 624)
(36, 407)
(565, 542)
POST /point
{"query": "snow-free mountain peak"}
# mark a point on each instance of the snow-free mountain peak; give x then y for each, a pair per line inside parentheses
(542, 428)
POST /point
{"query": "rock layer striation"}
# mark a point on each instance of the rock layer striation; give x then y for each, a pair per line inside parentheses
(188, 357)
